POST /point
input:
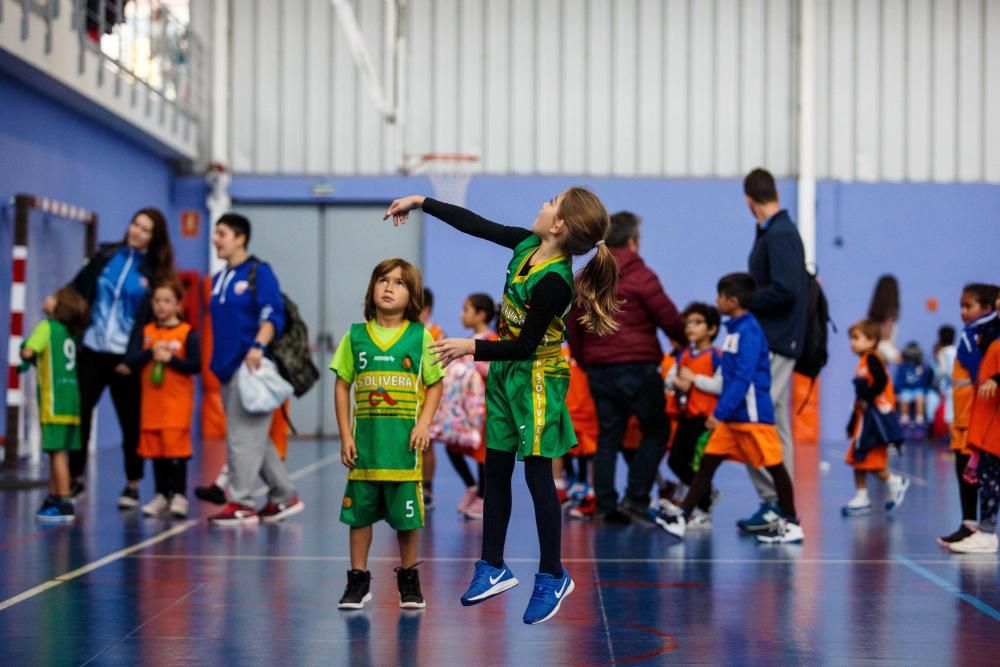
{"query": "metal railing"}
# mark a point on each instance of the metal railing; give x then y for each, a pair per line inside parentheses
(146, 43)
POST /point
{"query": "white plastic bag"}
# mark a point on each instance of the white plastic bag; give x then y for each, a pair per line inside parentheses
(263, 390)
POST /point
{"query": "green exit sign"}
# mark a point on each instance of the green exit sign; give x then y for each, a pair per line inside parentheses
(322, 189)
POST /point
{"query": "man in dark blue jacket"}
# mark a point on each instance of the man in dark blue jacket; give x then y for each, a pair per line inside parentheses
(777, 264)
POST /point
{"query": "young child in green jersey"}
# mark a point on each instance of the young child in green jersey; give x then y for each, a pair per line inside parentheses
(52, 348)
(526, 414)
(397, 388)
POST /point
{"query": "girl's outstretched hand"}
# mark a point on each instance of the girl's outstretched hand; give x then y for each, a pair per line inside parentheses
(400, 209)
(450, 349)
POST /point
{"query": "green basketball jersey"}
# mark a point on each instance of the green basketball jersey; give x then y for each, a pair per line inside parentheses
(517, 294)
(387, 402)
(58, 393)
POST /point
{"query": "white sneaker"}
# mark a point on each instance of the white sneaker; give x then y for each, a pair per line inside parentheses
(860, 504)
(670, 518)
(179, 506)
(157, 506)
(897, 486)
(700, 520)
(784, 532)
(979, 542)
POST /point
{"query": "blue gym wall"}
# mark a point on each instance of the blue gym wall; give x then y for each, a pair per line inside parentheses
(49, 150)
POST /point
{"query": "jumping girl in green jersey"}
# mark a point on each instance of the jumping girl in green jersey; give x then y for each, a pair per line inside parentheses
(526, 416)
(397, 388)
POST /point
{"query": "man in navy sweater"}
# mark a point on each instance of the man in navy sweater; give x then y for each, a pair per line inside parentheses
(777, 264)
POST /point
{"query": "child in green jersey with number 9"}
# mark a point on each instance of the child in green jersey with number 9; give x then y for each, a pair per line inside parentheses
(51, 347)
(526, 413)
(396, 391)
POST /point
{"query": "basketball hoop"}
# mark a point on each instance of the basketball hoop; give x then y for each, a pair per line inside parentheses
(450, 174)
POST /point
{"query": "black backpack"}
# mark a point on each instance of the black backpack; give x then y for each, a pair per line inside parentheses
(814, 353)
(290, 348)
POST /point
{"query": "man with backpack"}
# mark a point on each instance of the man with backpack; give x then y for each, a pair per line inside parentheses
(780, 304)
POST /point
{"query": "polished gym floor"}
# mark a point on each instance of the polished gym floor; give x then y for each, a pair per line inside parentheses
(120, 589)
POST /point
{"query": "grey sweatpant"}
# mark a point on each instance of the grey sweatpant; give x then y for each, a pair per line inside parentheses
(250, 452)
(781, 382)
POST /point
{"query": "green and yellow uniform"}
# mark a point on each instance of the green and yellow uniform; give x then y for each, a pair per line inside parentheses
(526, 400)
(58, 392)
(389, 370)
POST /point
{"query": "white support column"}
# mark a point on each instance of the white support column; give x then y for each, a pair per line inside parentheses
(218, 201)
(807, 129)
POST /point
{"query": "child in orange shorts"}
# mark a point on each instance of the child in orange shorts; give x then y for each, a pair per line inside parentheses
(169, 359)
(873, 414)
(742, 423)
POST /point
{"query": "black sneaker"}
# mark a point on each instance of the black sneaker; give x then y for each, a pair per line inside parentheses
(211, 494)
(637, 510)
(129, 498)
(358, 590)
(616, 518)
(408, 581)
(76, 489)
(959, 535)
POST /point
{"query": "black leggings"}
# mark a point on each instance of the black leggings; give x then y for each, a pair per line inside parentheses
(496, 513)
(703, 482)
(462, 468)
(682, 454)
(967, 493)
(171, 476)
(95, 371)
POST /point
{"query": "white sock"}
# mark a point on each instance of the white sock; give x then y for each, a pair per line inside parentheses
(222, 481)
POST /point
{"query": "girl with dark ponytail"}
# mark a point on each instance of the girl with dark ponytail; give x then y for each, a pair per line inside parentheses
(526, 416)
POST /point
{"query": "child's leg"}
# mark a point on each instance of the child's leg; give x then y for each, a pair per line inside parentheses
(701, 484)
(783, 487)
(430, 466)
(558, 468)
(919, 405)
(481, 490)
(178, 476)
(161, 474)
(861, 479)
(548, 517)
(989, 492)
(567, 466)
(682, 451)
(883, 474)
(968, 493)
(496, 511)
(361, 542)
(59, 477)
(461, 467)
(409, 541)
(584, 465)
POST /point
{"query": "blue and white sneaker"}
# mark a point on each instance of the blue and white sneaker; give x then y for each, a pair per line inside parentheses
(897, 491)
(765, 518)
(487, 582)
(56, 511)
(547, 597)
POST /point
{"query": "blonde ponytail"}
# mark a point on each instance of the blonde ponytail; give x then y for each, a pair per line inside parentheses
(596, 284)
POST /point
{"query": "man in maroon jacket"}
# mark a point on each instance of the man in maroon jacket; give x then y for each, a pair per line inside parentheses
(623, 370)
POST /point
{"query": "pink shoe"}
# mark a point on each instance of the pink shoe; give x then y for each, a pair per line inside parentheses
(474, 512)
(467, 498)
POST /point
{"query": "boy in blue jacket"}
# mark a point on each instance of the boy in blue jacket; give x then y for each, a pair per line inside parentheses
(742, 425)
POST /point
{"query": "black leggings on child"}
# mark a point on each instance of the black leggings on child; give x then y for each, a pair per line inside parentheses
(682, 454)
(170, 476)
(462, 468)
(496, 513)
(703, 482)
(967, 493)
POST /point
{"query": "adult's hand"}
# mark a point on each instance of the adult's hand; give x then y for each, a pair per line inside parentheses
(400, 209)
(122, 369)
(253, 358)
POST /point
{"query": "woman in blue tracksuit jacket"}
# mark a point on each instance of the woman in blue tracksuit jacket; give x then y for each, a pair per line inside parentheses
(116, 283)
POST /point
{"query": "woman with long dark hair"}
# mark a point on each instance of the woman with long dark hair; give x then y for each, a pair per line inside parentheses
(115, 283)
(884, 309)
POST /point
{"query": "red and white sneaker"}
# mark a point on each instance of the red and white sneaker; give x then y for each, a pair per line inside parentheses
(586, 509)
(275, 512)
(235, 514)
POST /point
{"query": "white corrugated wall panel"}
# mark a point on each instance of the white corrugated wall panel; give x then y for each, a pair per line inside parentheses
(906, 89)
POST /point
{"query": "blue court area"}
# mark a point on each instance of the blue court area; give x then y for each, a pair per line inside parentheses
(120, 589)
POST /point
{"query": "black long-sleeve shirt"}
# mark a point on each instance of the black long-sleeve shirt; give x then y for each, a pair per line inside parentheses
(137, 358)
(549, 299)
(868, 392)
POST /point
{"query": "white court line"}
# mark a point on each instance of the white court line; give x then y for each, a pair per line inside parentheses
(156, 539)
(652, 561)
(604, 614)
